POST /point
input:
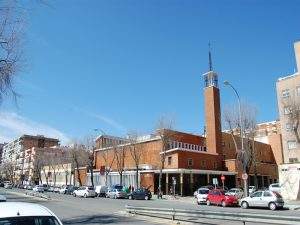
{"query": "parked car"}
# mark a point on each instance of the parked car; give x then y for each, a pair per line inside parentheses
(251, 189)
(38, 188)
(66, 189)
(29, 187)
(1, 184)
(8, 185)
(85, 191)
(101, 190)
(275, 187)
(56, 189)
(46, 187)
(51, 189)
(237, 192)
(116, 193)
(141, 194)
(219, 197)
(2, 198)
(202, 195)
(271, 199)
(27, 213)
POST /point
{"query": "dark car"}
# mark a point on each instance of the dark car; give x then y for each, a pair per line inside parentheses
(141, 193)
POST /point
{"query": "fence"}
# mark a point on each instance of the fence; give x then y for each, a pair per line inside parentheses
(194, 215)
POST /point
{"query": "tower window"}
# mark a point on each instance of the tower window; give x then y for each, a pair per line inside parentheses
(169, 160)
(190, 162)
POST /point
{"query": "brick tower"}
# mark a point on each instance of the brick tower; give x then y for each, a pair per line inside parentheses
(212, 111)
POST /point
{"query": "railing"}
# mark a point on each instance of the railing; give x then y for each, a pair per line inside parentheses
(196, 215)
(187, 146)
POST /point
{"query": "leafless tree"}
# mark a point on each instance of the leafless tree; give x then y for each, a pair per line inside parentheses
(77, 155)
(164, 129)
(291, 106)
(119, 155)
(8, 169)
(11, 54)
(108, 160)
(247, 157)
(89, 147)
(136, 151)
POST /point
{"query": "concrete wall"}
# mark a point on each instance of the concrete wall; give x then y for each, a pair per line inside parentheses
(289, 176)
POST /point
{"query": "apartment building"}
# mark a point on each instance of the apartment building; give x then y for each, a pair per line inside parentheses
(288, 97)
(14, 151)
(1, 150)
(36, 158)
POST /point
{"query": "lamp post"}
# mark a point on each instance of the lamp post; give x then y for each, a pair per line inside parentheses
(242, 141)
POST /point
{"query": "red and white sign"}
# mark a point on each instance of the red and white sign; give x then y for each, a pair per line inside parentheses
(222, 177)
(102, 170)
(245, 176)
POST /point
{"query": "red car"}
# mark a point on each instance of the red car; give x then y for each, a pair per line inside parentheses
(218, 197)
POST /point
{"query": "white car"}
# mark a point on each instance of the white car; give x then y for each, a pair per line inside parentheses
(202, 195)
(2, 198)
(85, 191)
(8, 185)
(38, 188)
(26, 213)
(237, 192)
(275, 187)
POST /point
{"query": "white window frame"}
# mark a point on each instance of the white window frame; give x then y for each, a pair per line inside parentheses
(285, 93)
(291, 145)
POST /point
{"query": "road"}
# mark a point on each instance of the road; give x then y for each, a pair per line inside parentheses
(93, 211)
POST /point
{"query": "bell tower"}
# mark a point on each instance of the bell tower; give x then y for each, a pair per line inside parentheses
(212, 110)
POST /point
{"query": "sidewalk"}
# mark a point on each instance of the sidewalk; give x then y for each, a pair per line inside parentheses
(292, 205)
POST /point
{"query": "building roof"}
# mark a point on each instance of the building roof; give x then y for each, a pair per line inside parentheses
(288, 77)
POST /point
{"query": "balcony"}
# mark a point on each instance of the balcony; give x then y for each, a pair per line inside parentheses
(187, 146)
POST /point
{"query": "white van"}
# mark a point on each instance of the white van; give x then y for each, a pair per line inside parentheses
(101, 190)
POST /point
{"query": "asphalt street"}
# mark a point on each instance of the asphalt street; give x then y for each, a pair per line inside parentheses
(93, 211)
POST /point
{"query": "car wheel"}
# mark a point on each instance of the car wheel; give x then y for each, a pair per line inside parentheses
(74, 194)
(272, 206)
(146, 197)
(208, 203)
(245, 205)
(130, 197)
(85, 195)
(223, 204)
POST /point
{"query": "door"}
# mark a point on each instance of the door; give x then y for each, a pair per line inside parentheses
(256, 199)
(267, 198)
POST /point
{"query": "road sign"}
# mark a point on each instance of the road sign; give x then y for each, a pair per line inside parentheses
(245, 176)
(215, 181)
(222, 177)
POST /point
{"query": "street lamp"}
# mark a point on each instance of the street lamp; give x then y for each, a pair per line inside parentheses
(242, 130)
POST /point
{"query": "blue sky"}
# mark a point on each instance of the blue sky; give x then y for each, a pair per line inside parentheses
(120, 65)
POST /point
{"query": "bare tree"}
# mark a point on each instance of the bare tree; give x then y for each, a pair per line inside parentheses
(247, 157)
(164, 130)
(89, 147)
(292, 111)
(11, 34)
(8, 169)
(108, 159)
(119, 154)
(77, 156)
(136, 151)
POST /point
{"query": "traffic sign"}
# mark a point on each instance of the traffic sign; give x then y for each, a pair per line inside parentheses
(222, 177)
(102, 170)
(245, 176)
(215, 181)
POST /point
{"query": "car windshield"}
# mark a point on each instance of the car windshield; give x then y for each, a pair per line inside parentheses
(29, 220)
(203, 191)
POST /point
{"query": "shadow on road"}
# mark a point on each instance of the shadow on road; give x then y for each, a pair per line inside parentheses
(99, 219)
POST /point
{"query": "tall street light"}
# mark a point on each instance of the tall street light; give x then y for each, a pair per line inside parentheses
(242, 141)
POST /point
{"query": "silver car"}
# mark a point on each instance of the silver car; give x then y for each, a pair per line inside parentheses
(270, 199)
(116, 193)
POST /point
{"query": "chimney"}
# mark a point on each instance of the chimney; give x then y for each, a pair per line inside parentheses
(297, 54)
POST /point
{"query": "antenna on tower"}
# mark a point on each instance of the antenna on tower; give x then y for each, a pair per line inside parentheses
(209, 57)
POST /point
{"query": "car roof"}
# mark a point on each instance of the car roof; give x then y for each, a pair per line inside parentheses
(13, 209)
